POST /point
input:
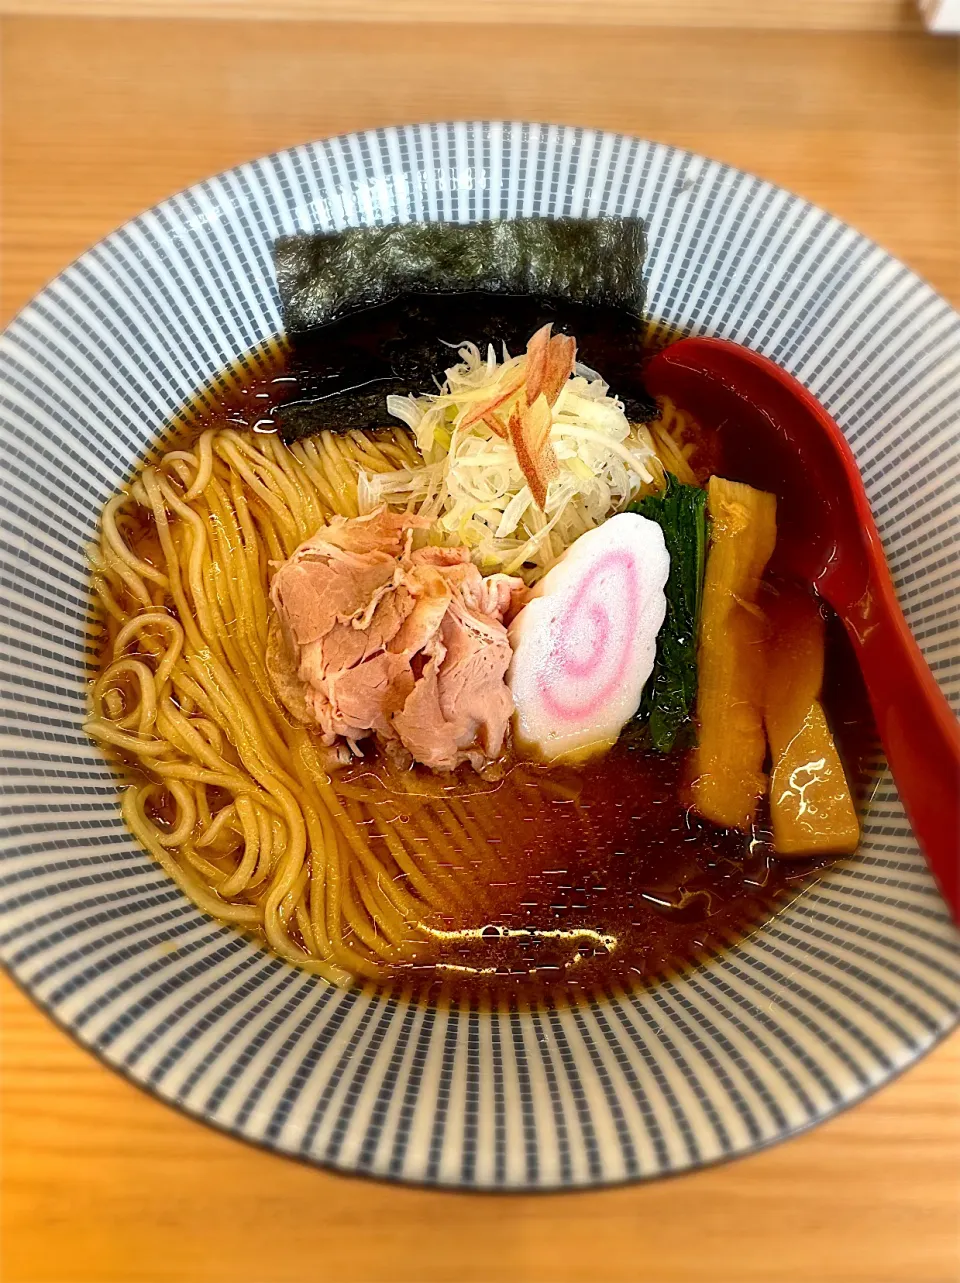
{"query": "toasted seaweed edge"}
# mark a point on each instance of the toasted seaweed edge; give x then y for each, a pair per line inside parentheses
(323, 276)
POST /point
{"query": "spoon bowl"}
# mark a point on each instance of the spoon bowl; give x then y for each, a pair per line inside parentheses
(774, 435)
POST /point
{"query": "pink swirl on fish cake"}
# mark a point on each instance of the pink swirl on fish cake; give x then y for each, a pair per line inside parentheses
(565, 668)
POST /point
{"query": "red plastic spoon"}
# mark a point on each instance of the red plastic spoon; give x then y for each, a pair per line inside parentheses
(774, 435)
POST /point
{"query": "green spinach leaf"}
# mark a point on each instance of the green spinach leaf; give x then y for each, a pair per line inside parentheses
(665, 714)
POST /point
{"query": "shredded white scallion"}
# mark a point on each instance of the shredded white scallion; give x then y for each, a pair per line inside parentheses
(471, 484)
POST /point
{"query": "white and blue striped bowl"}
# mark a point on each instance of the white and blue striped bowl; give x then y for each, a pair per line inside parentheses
(830, 999)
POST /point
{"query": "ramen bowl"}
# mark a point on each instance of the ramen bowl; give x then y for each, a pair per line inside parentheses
(843, 988)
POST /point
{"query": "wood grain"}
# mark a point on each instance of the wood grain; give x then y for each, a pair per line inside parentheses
(101, 119)
(102, 1184)
(810, 15)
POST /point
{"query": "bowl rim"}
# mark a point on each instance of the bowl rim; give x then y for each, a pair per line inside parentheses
(579, 133)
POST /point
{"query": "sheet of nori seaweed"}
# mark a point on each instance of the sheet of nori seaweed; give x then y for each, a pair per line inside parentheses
(344, 371)
(322, 276)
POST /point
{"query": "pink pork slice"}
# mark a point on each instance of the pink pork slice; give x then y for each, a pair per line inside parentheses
(371, 637)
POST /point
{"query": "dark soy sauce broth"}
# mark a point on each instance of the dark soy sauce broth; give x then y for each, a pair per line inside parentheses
(602, 875)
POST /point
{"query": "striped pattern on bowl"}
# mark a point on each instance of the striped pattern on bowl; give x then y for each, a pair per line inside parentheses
(846, 986)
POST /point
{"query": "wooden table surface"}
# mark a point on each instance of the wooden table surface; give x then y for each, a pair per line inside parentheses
(101, 118)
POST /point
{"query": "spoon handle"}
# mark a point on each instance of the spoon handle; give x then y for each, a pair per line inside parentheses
(919, 733)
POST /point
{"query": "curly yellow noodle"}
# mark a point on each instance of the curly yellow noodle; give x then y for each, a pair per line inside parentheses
(229, 797)
(240, 880)
(211, 830)
(345, 483)
(317, 469)
(114, 543)
(204, 456)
